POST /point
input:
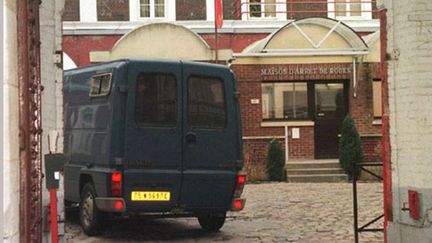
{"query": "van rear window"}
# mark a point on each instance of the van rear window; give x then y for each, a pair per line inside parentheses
(156, 100)
(206, 102)
(100, 85)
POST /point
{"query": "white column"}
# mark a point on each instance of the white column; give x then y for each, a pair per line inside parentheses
(210, 10)
(281, 8)
(170, 10)
(10, 157)
(88, 11)
(133, 10)
(244, 8)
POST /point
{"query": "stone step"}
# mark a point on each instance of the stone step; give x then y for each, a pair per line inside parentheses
(312, 164)
(318, 178)
(314, 171)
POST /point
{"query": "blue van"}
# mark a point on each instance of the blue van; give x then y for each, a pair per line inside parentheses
(152, 137)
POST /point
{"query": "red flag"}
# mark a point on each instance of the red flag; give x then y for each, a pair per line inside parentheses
(218, 14)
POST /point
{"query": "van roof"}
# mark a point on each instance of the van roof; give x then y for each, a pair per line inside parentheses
(118, 62)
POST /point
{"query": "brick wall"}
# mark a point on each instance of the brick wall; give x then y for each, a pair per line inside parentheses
(231, 9)
(71, 10)
(190, 10)
(79, 47)
(372, 148)
(236, 42)
(307, 5)
(361, 106)
(113, 10)
(255, 155)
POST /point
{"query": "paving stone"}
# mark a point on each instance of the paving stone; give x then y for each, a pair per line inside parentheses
(274, 212)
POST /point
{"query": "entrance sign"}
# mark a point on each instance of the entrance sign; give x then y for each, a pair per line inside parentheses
(336, 69)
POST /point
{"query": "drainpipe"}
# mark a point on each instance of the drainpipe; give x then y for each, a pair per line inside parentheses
(386, 150)
(354, 59)
(286, 144)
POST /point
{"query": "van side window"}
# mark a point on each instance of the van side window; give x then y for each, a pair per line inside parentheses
(100, 85)
(206, 102)
(156, 100)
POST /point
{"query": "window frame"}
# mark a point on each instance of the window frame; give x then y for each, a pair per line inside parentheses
(135, 11)
(224, 101)
(375, 116)
(143, 125)
(100, 86)
(309, 98)
(365, 8)
(280, 7)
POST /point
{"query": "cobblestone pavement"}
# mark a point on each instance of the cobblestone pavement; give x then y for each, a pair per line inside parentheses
(275, 212)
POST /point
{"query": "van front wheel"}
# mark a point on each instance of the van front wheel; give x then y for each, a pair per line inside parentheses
(212, 222)
(90, 216)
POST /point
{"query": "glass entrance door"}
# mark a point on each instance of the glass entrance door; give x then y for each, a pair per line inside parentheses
(330, 110)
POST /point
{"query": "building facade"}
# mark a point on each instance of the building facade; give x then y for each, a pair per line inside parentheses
(297, 78)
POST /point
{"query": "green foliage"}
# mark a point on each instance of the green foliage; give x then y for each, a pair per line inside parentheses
(350, 147)
(275, 162)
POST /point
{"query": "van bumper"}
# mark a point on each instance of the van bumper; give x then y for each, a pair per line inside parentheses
(111, 204)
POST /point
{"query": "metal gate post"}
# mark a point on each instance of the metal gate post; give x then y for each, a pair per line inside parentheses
(355, 209)
(29, 120)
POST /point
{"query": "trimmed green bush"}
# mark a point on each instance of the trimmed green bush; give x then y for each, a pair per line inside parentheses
(275, 162)
(350, 147)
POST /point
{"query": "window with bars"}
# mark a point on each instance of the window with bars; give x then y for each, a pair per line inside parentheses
(152, 9)
(350, 9)
(263, 9)
(100, 85)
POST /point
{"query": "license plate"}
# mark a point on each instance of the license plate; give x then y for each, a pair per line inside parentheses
(150, 196)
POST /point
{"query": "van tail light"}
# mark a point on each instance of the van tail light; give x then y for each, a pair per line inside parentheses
(241, 180)
(238, 204)
(116, 184)
(119, 205)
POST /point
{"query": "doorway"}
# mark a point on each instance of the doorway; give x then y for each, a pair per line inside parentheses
(331, 106)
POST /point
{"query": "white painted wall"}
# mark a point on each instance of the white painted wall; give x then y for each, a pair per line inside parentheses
(134, 10)
(10, 160)
(410, 98)
(88, 11)
(51, 75)
(52, 101)
(210, 10)
(68, 63)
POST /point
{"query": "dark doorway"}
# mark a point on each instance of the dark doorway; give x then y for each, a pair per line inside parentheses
(330, 109)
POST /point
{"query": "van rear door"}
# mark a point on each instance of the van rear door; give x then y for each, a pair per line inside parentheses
(152, 175)
(210, 138)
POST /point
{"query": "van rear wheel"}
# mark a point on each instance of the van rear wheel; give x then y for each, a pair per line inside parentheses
(212, 222)
(90, 216)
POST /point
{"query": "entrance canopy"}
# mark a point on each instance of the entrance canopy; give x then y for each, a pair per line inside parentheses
(310, 37)
(159, 40)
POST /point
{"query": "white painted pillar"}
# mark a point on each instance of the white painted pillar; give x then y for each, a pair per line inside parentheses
(10, 158)
(88, 11)
(210, 10)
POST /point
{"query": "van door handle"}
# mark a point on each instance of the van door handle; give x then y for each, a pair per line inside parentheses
(190, 137)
